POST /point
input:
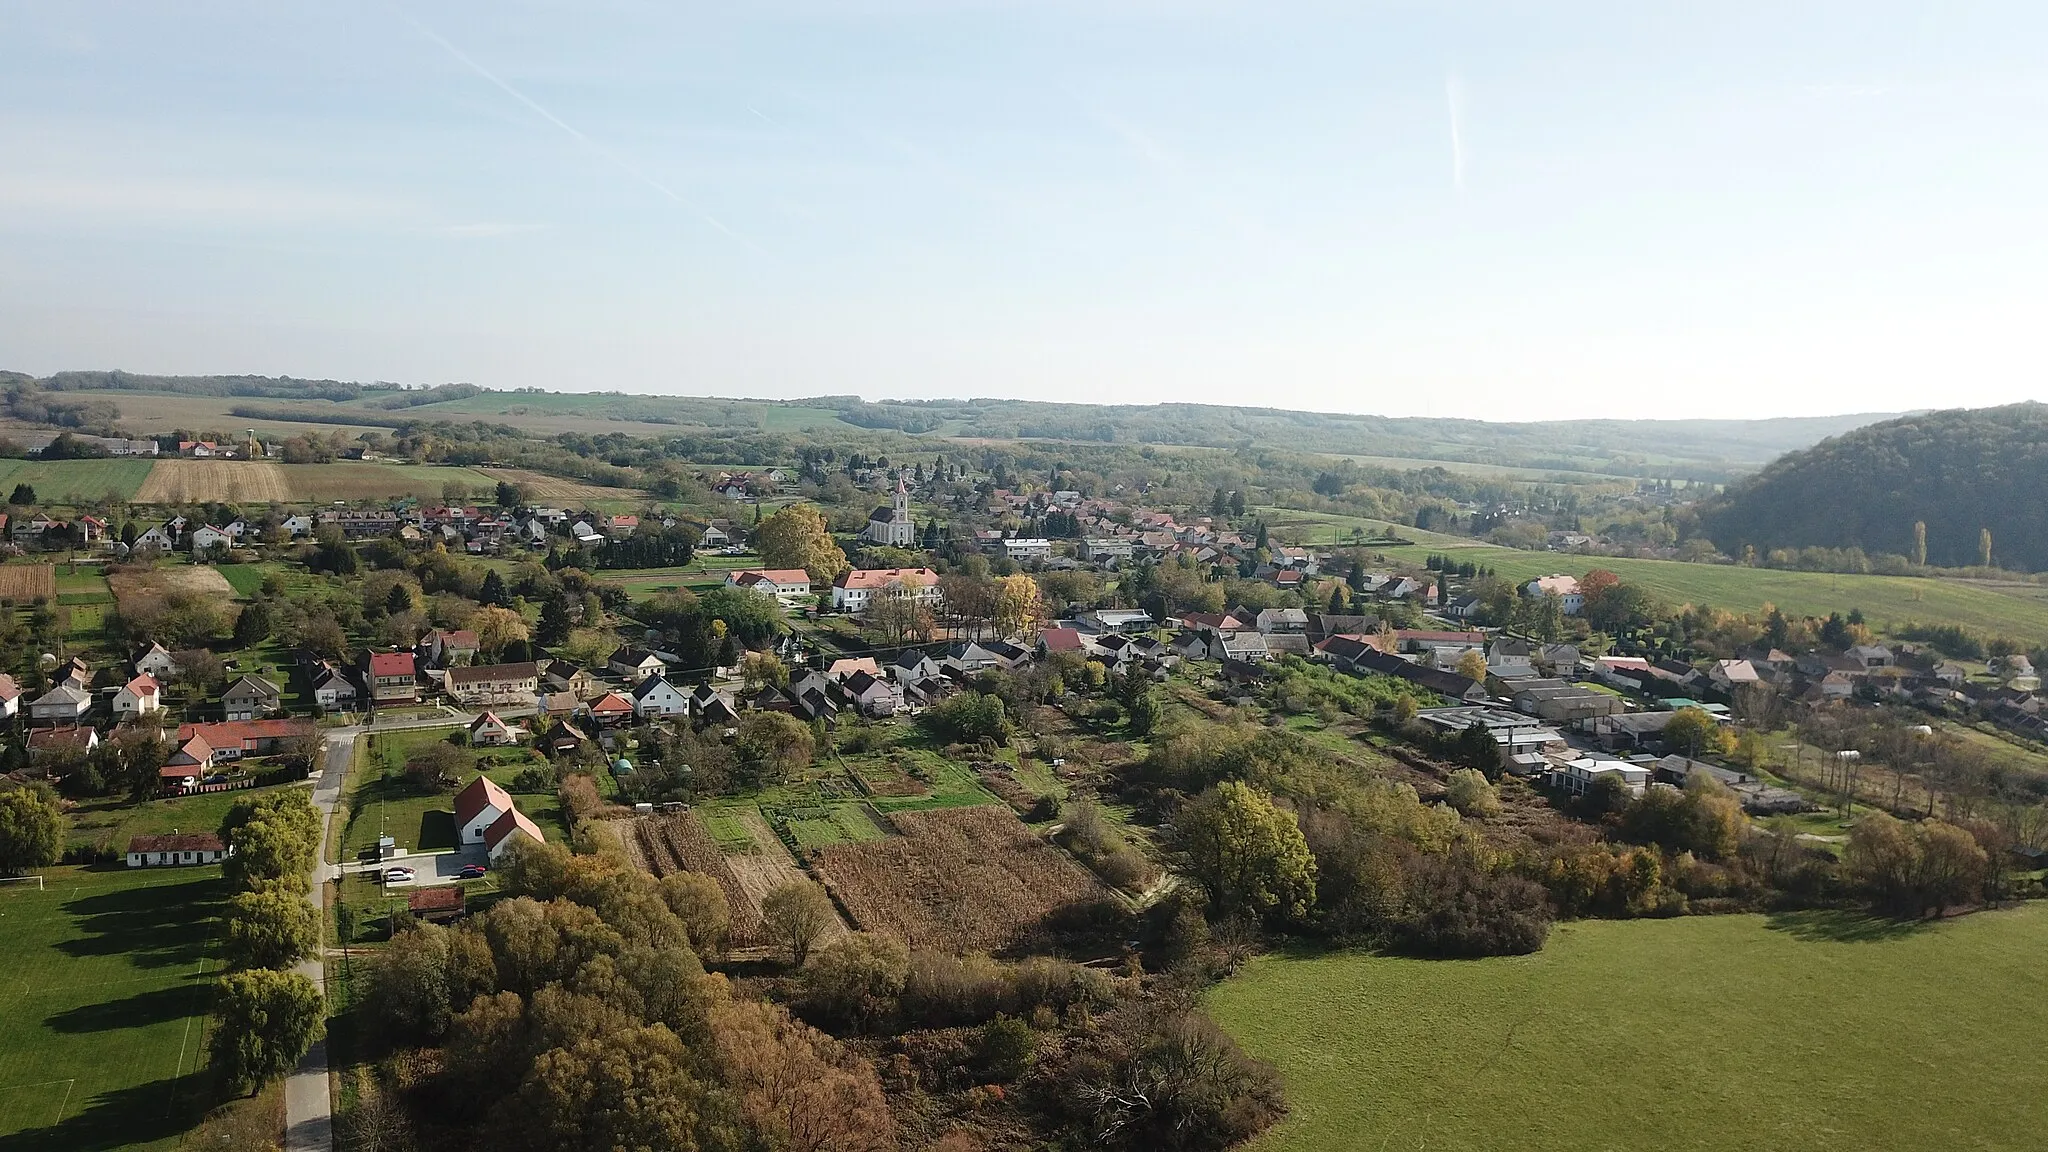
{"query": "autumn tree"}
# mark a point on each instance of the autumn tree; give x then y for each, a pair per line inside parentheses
(1919, 542)
(1696, 733)
(798, 1088)
(1018, 608)
(798, 914)
(1472, 794)
(1472, 665)
(624, 1087)
(763, 670)
(1247, 854)
(495, 628)
(775, 743)
(32, 829)
(269, 928)
(699, 903)
(795, 537)
(264, 1021)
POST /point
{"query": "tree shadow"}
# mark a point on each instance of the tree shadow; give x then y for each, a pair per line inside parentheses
(155, 925)
(437, 830)
(121, 1118)
(138, 1011)
(1843, 926)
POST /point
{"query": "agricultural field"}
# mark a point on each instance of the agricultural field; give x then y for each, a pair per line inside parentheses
(680, 842)
(1815, 1030)
(76, 481)
(141, 590)
(544, 489)
(105, 989)
(245, 579)
(23, 583)
(177, 481)
(961, 880)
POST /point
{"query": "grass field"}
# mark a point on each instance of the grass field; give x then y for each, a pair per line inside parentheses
(246, 579)
(76, 481)
(1814, 1030)
(105, 987)
(381, 803)
(105, 825)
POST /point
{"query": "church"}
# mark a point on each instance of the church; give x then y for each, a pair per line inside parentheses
(891, 527)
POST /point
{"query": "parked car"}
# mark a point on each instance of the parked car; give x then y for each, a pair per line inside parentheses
(472, 872)
(397, 875)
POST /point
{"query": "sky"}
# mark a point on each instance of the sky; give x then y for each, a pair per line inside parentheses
(1505, 211)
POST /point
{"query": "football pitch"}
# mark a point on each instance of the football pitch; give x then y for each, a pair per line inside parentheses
(106, 983)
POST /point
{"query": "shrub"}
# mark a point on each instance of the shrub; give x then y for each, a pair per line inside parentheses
(1453, 907)
(1006, 1047)
(856, 979)
(1472, 794)
(1154, 1078)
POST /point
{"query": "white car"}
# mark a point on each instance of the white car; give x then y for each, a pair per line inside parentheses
(397, 875)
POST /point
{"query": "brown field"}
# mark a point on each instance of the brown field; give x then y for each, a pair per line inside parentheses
(24, 582)
(138, 590)
(556, 490)
(229, 481)
(959, 879)
(679, 843)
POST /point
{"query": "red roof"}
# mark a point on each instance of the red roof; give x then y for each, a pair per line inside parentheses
(611, 702)
(391, 664)
(478, 794)
(883, 577)
(1061, 640)
(241, 733)
(456, 638)
(144, 685)
(772, 575)
(512, 821)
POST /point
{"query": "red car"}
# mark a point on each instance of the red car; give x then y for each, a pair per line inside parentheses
(472, 872)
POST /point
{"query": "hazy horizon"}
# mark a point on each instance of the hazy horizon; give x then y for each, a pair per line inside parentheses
(1488, 212)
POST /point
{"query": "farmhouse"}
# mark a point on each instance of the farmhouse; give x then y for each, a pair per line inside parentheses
(238, 738)
(494, 684)
(785, 584)
(75, 739)
(655, 696)
(856, 588)
(478, 806)
(176, 848)
(251, 697)
(635, 664)
(63, 704)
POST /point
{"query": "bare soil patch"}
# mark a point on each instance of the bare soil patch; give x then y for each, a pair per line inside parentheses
(224, 481)
(22, 583)
(138, 589)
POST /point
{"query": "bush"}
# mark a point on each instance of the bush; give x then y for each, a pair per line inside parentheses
(1472, 794)
(1155, 1078)
(1006, 1047)
(1453, 907)
(969, 718)
(856, 979)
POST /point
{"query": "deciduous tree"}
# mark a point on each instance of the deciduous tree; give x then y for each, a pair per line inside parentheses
(264, 1021)
(269, 928)
(795, 537)
(797, 914)
(32, 829)
(1246, 853)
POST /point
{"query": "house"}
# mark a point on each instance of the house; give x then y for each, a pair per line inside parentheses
(438, 904)
(1565, 587)
(714, 537)
(871, 694)
(1243, 647)
(562, 738)
(251, 697)
(710, 706)
(1577, 777)
(566, 677)
(175, 849)
(493, 684)
(478, 806)
(393, 678)
(138, 697)
(968, 658)
(655, 696)
(612, 708)
(912, 665)
(1024, 549)
(201, 449)
(1282, 622)
(238, 738)
(333, 687)
(856, 587)
(10, 697)
(891, 526)
(1114, 620)
(75, 672)
(63, 704)
(1054, 640)
(206, 536)
(1514, 732)
(72, 739)
(91, 529)
(785, 584)
(1728, 675)
(188, 762)
(1629, 730)
(586, 534)
(296, 525)
(1872, 656)
(445, 647)
(155, 540)
(1559, 702)
(621, 526)
(487, 731)
(846, 666)
(509, 830)
(635, 664)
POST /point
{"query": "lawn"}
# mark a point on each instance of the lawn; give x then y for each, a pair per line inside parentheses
(76, 481)
(246, 579)
(105, 825)
(1814, 1030)
(105, 987)
(381, 802)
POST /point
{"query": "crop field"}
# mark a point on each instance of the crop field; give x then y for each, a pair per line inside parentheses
(180, 481)
(678, 842)
(106, 983)
(546, 489)
(138, 589)
(76, 481)
(22, 583)
(1810, 1030)
(962, 880)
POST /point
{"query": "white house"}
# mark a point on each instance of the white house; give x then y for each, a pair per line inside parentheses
(478, 806)
(176, 848)
(1022, 548)
(1579, 776)
(60, 705)
(10, 697)
(1566, 587)
(206, 536)
(299, 524)
(138, 697)
(155, 540)
(153, 660)
(657, 697)
(785, 584)
(635, 664)
(507, 831)
(487, 731)
(854, 589)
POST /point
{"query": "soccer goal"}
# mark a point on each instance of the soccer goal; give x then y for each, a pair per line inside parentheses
(24, 880)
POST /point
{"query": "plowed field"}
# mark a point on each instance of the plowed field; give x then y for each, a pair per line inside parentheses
(227, 481)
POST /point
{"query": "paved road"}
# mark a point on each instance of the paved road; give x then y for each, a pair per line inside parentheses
(308, 1107)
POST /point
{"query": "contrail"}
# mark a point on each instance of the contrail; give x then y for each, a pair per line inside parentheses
(610, 156)
(1454, 95)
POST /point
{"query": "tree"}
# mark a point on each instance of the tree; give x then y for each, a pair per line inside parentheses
(1697, 733)
(797, 914)
(1246, 853)
(1984, 547)
(1469, 791)
(1017, 609)
(508, 495)
(856, 978)
(626, 1087)
(555, 624)
(763, 670)
(253, 626)
(796, 1087)
(775, 741)
(433, 768)
(32, 829)
(1143, 714)
(969, 718)
(1472, 665)
(493, 592)
(497, 627)
(264, 1021)
(700, 904)
(270, 928)
(23, 497)
(274, 837)
(795, 537)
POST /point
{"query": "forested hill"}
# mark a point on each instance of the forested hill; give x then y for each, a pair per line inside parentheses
(1958, 471)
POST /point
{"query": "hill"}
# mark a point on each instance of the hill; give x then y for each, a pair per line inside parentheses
(1706, 450)
(1958, 471)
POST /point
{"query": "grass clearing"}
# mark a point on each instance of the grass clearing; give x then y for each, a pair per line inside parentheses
(106, 982)
(245, 579)
(1814, 1030)
(77, 481)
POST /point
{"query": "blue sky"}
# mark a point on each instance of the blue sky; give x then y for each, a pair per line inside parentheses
(1509, 211)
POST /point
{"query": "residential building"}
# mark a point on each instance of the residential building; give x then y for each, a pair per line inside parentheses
(655, 696)
(206, 536)
(509, 830)
(493, 685)
(251, 698)
(393, 678)
(487, 731)
(446, 647)
(63, 704)
(1578, 777)
(74, 738)
(238, 738)
(566, 677)
(334, 687)
(176, 849)
(612, 709)
(635, 664)
(854, 589)
(138, 697)
(478, 806)
(10, 697)
(1024, 549)
(152, 659)
(785, 584)
(1566, 588)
